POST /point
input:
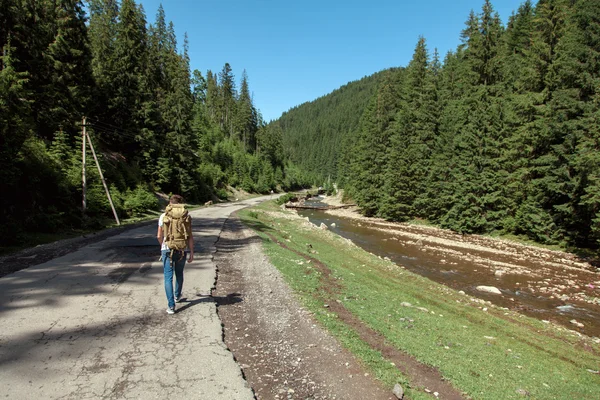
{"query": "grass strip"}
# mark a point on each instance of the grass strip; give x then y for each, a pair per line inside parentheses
(485, 351)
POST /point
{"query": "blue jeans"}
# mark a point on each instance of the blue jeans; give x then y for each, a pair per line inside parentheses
(178, 262)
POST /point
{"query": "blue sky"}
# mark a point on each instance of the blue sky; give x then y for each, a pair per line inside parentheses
(295, 51)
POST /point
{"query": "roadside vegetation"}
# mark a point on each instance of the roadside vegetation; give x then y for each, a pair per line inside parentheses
(484, 351)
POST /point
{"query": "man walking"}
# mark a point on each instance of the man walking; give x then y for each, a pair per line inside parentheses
(174, 235)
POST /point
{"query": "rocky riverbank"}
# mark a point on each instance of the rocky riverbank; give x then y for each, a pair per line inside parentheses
(566, 285)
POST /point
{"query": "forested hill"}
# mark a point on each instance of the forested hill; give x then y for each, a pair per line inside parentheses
(503, 135)
(313, 132)
(155, 125)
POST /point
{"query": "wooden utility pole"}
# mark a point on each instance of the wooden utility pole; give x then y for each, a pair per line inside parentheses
(83, 165)
(103, 181)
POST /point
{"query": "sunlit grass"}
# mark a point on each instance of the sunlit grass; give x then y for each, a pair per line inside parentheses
(489, 354)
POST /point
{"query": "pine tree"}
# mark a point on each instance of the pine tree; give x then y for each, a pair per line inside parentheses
(412, 138)
(131, 57)
(212, 97)
(370, 155)
(575, 80)
(68, 91)
(102, 35)
(177, 115)
(477, 171)
(525, 72)
(246, 116)
(532, 147)
(226, 99)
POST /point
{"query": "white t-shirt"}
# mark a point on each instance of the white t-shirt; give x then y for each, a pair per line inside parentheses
(160, 223)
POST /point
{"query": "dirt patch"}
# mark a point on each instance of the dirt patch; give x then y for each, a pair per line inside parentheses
(283, 352)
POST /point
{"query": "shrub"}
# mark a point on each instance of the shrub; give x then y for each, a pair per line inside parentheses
(221, 194)
(286, 197)
(139, 201)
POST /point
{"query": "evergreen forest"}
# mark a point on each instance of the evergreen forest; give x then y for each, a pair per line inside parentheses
(501, 135)
(155, 125)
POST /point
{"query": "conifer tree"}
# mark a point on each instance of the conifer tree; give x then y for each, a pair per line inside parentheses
(212, 97)
(178, 117)
(226, 100)
(439, 194)
(70, 82)
(412, 138)
(477, 172)
(246, 116)
(370, 155)
(531, 146)
(131, 57)
(575, 83)
(102, 35)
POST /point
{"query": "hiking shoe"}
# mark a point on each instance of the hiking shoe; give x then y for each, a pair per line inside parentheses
(178, 299)
(171, 310)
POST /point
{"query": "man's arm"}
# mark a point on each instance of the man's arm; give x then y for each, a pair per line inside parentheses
(191, 245)
(159, 235)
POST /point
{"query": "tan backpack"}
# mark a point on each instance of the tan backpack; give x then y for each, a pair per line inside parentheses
(178, 226)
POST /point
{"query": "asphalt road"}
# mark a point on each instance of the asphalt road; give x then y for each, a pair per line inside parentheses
(92, 324)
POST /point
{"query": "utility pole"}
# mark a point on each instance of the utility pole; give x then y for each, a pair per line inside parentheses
(84, 202)
(103, 181)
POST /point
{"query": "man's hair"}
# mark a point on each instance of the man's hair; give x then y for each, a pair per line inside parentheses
(176, 199)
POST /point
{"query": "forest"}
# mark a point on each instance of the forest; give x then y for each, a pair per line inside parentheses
(500, 136)
(155, 125)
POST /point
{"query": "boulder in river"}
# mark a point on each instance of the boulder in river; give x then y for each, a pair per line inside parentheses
(489, 289)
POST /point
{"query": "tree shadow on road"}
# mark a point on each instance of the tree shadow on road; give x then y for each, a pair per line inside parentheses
(50, 284)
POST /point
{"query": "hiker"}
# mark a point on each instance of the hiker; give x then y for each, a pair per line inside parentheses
(175, 235)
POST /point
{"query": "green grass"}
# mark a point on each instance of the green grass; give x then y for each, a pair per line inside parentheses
(487, 354)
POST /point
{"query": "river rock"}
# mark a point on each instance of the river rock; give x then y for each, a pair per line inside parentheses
(333, 224)
(323, 226)
(398, 391)
(489, 289)
(499, 273)
(576, 323)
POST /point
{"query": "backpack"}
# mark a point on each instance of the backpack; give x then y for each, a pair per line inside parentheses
(178, 226)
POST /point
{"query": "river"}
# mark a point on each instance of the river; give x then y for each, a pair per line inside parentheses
(538, 283)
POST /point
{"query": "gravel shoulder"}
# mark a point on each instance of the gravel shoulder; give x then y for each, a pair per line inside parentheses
(283, 352)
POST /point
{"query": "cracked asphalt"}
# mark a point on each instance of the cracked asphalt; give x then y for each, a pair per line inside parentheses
(92, 324)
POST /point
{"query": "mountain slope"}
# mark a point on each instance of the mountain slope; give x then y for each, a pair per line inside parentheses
(313, 132)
